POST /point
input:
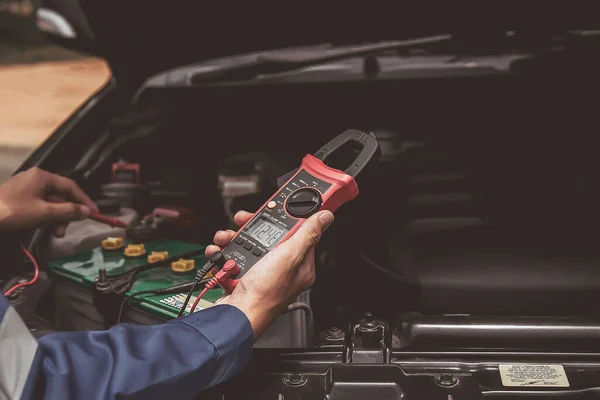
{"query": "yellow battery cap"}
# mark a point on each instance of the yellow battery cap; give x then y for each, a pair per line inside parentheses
(134, 250)
(112, 243)
(158, 256)
(182, 265)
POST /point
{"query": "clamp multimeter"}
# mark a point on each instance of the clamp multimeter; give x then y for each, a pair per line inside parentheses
(312, 187)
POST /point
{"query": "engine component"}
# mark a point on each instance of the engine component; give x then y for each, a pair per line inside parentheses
(508, 272)
(172, 222)
(108, 206)
(440, 195)
(244, 181)
(130, 195)
(451, 332)
(126, 172)
(461, 239)
(437, 195)
(143, 232)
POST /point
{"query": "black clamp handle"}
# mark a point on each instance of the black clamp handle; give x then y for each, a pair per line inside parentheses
(368, 141)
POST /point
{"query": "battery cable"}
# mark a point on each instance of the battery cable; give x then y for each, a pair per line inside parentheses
(35, 275)
(168, 290)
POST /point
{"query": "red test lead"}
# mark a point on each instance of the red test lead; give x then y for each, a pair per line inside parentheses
(229, 269)
(112, 221)
(96, 216)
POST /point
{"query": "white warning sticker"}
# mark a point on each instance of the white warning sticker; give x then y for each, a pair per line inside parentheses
(540, 375)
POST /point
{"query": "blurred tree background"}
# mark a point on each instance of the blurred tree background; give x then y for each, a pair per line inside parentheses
(20, 41)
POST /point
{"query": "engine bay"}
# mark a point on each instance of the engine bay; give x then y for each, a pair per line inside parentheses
(446, 216)
(475, 229)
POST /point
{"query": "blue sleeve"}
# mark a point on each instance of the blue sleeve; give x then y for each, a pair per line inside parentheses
(182, 356)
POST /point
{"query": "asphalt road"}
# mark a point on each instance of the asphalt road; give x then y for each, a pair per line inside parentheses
(11, 159)
(36, 98)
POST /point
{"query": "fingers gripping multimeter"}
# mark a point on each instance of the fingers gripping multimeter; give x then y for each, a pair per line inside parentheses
(312, 187)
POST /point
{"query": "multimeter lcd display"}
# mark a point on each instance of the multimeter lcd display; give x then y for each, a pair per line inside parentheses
(266, 232)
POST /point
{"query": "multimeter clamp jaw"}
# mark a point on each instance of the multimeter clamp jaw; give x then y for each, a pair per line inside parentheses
(370, 148)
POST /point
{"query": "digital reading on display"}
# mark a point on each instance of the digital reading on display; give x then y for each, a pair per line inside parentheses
(266, 232)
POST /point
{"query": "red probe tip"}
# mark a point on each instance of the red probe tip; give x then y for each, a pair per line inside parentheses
(112, 221)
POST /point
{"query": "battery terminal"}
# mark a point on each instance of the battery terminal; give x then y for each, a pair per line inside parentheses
(158, 256)
(182, 265)
(112, 243)
(134, 250)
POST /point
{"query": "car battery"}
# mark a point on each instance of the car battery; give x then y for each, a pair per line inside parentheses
(74, 278)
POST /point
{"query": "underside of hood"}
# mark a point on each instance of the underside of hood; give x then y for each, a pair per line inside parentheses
(141, 38)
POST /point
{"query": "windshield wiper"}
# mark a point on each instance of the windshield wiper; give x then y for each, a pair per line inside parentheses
(264, 64)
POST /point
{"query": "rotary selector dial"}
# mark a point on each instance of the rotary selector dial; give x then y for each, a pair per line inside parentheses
(303, 202)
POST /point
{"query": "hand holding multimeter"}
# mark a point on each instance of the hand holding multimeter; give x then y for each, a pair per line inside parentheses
(312, 187)
(281, 276)
(303, 192)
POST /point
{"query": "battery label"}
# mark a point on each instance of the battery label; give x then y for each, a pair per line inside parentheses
(176, 301)
(537, 375)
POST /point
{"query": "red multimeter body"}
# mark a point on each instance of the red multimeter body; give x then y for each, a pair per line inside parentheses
(314, 186)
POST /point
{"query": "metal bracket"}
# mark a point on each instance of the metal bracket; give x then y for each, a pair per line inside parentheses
(370, 342)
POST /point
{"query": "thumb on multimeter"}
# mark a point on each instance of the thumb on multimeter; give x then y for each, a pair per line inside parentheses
(310, 232)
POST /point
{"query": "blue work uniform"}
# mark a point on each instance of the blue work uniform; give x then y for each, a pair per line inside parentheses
(128, 361)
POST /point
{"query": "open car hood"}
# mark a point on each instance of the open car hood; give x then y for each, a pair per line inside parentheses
(142, 38)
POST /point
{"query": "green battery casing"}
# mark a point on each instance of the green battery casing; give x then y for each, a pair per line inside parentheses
(81, 270)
